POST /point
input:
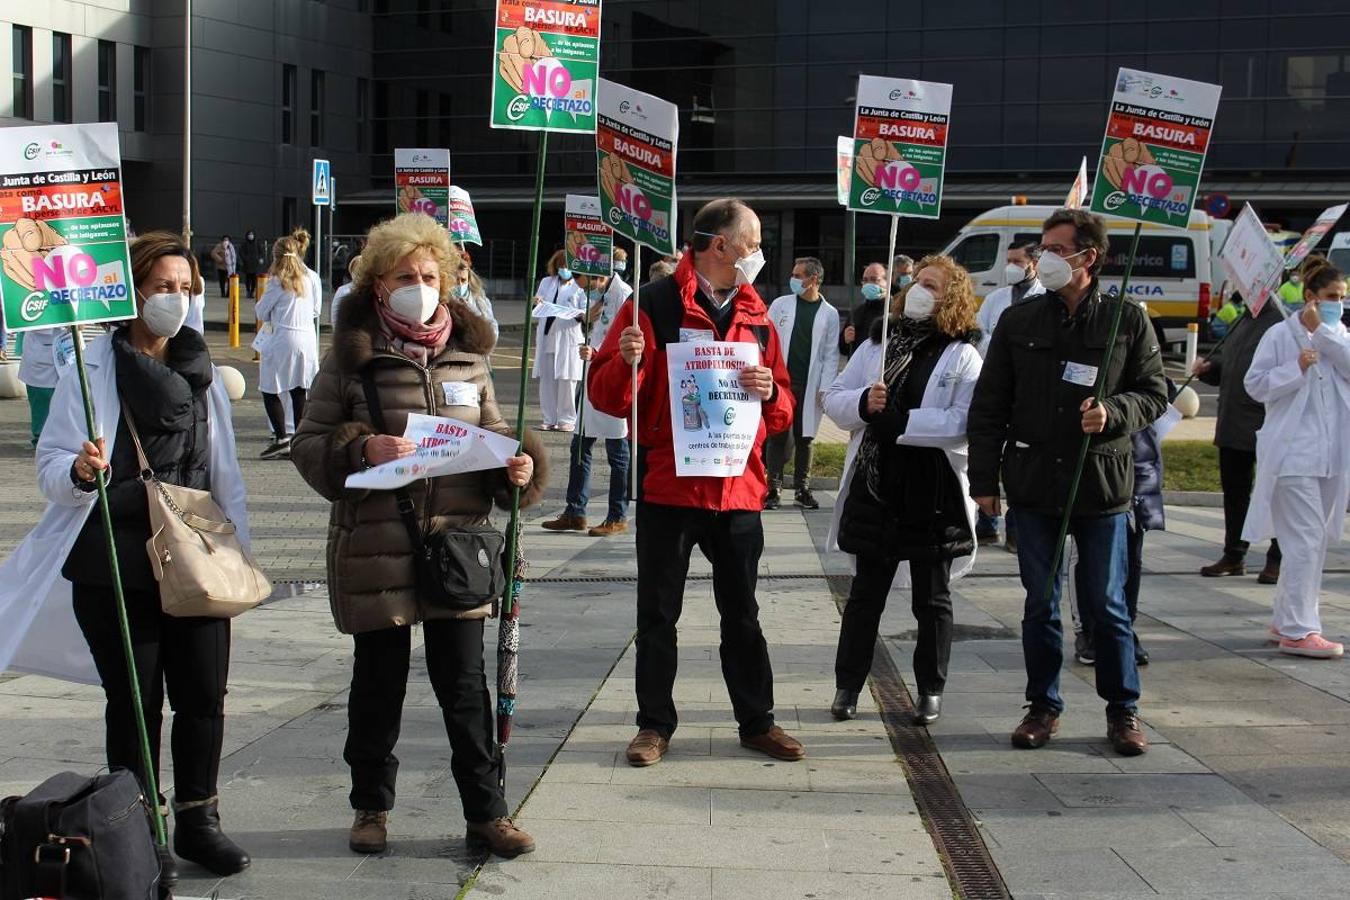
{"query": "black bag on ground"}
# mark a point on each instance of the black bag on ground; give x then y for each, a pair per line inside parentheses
(79, 838)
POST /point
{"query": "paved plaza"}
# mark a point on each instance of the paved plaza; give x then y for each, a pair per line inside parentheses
(1244, 793)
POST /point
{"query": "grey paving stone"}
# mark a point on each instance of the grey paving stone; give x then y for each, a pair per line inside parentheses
(749, 885)
(1073, 874)
(1310, 873)
(878, 813)
(528, 879)
(621, 803)
(1029, 831)
(1163, 791)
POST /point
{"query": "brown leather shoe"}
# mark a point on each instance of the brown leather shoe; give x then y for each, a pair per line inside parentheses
(566, 522)
(609, 527)
(776, 743)
(1126, 734)
(1270, 574)
(646, 748)
(370, 831)
(501, 836)
(1225, 567)
(1035, 728)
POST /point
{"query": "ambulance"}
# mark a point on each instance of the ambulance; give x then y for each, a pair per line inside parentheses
(1175, 270)
(1339, 253)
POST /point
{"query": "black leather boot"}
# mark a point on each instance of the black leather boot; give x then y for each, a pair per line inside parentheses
(845, 705)
(928, 710)
(197, 838)
(168, 867)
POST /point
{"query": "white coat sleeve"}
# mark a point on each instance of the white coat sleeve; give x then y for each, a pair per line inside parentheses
(268, 301)
(227, 480)
(829, 362)
(844, 393)
(60, 444)
(1269, 377)
(946, 426)
(1333, 348)
(490, 314)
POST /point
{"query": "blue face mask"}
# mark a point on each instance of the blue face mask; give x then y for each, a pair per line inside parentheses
(796, 286)
(564, 274)
(872, 291)
(462, 290)
(620, 267)
(1330, 311)
(902, 280)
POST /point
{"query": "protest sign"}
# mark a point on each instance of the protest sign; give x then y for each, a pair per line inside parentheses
(843, 168)
(1078, 191)
(635, 140)
(899, 146)
(713, 419)
(1157, 135)
(1313, 236)
(555, 311)
(444, 447)
(463, 223)
(589, 241)
(422, 183)
(63, 242)
(1253, 262)
(546, 63)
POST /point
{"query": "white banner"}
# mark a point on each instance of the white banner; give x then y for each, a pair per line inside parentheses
(713, 419)
(556, 311)
(444, 447)
(1253, 262)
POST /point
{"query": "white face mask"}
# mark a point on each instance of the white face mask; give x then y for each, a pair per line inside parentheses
(919, 302)
(164, 314)
(747, 267)
(1016, 273)
(414, 303)
(1055, 271)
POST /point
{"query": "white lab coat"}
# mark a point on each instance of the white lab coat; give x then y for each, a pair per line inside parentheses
(824, 353)
(1276, 380)
(37, 367)
(338, 296)
(196, 317)
(563, 340)
(939, 421)
(315, 295)
(596, 423)
(995, 305)
(290, 355)
(480, 304)
(38, 632)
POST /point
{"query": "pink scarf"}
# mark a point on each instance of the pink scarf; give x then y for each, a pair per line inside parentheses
(420, 343)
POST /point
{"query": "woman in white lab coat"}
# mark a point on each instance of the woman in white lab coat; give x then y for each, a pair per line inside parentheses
(1301, 372)
(290, 350)
(557, 360)
(905, 495)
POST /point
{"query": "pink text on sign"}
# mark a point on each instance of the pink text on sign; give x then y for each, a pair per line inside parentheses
(1149, 180)
(898, 175)
(49, 274)
(550, 78)
(632, 201)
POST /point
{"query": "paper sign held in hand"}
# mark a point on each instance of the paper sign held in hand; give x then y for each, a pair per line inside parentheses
(444, 447)
(713, 419)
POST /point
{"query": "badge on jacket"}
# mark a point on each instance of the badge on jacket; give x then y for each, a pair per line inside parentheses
(460, 393)
(696, 336)
(1080, 373)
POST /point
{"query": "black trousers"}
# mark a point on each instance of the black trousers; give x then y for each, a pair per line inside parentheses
(732, 542)
(454, 650)
(1237, 473)
(189, 655)
(932, 607)
(276, 411)
(791, 446)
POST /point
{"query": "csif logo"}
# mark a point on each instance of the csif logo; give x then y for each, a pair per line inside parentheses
(31, 151)
(33, 306)
(909, 94)
(870, 197)
(518, 107)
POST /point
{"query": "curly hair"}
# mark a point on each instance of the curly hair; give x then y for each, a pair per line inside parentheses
(955, 310)
(393, 239)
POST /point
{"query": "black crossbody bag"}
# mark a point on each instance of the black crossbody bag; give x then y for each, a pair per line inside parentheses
(458, 569)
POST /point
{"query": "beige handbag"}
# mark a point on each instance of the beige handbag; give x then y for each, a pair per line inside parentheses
(195, 553)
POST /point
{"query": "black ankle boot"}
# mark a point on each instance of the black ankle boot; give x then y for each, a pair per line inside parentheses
(845, 705)
(168, 866)
(197, 838)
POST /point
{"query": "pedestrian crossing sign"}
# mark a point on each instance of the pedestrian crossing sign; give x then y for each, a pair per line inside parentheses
(322, 189)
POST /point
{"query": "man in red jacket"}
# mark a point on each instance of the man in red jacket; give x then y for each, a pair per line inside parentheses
(709, 298)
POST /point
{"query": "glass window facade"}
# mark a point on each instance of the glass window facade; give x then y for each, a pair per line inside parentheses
(107, 81)
(21, 56)
(61, 97)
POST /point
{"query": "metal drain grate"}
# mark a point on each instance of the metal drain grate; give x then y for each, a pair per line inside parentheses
(971, 869)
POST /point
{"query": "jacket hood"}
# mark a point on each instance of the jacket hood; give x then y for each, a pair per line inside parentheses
(356, 337)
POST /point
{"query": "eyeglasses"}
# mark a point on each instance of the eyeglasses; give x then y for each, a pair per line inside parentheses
(1060, 250)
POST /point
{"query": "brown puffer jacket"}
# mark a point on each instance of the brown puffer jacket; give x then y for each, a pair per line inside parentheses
(371, 582)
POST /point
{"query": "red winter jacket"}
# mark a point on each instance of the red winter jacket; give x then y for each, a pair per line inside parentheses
(610, 391)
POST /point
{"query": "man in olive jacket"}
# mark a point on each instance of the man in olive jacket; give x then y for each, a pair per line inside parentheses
(1032, 406)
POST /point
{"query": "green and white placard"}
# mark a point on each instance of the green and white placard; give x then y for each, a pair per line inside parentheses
(546, 64)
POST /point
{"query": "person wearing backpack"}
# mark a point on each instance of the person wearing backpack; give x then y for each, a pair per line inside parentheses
(709, 298)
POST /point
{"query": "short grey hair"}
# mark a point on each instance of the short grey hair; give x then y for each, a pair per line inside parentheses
(814, 268)
(900, 261)
(660, 269)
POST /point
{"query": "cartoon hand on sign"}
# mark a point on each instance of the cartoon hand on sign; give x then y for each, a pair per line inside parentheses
(872, 156)
(575, 241)
(614, 175)
(1122, 156)
(408, 197)
(518, 51)
(28, 238)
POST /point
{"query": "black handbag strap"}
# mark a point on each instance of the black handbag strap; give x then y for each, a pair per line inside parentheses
(406, 511)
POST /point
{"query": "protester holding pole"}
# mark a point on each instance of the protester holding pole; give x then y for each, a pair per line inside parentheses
(904, 495)
(1301, 372)
(1032, 407)
(401, 347)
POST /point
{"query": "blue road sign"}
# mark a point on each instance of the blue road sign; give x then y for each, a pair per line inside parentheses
(322, 183)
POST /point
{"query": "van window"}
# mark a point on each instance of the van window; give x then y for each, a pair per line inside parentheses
(978, 252)
(1160, 255)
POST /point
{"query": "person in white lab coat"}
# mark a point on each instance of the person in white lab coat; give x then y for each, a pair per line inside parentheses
(904, 495)
(37, 371)
(315, 281)
(1301, 372)
(290, 350)
(353, 269)
(808, 335)
(606, 296)
(557, 363)
(57, 612)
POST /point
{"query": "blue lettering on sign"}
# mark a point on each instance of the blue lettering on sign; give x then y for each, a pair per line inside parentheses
(1137, 290)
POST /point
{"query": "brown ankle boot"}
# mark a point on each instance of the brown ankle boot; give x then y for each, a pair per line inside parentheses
(370, 832)
(566, 522)
(501, 836)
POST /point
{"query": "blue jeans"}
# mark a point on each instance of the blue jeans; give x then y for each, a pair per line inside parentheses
(1100, 580)
(579, 478)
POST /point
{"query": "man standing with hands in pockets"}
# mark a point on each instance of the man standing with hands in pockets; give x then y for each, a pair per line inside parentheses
(1032, 406)
(709, 298)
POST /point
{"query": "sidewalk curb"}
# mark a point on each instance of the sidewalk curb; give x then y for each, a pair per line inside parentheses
(1193, 498)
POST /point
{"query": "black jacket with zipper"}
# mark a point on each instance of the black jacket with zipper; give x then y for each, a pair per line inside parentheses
(1025, 418)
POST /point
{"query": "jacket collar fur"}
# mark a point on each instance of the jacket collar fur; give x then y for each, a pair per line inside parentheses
(357, 337)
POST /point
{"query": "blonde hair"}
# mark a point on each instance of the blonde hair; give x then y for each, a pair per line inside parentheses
(557, 261)
(354, 266)
(393, 239)
(955, 311)
(287, 266)
(301, 238)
